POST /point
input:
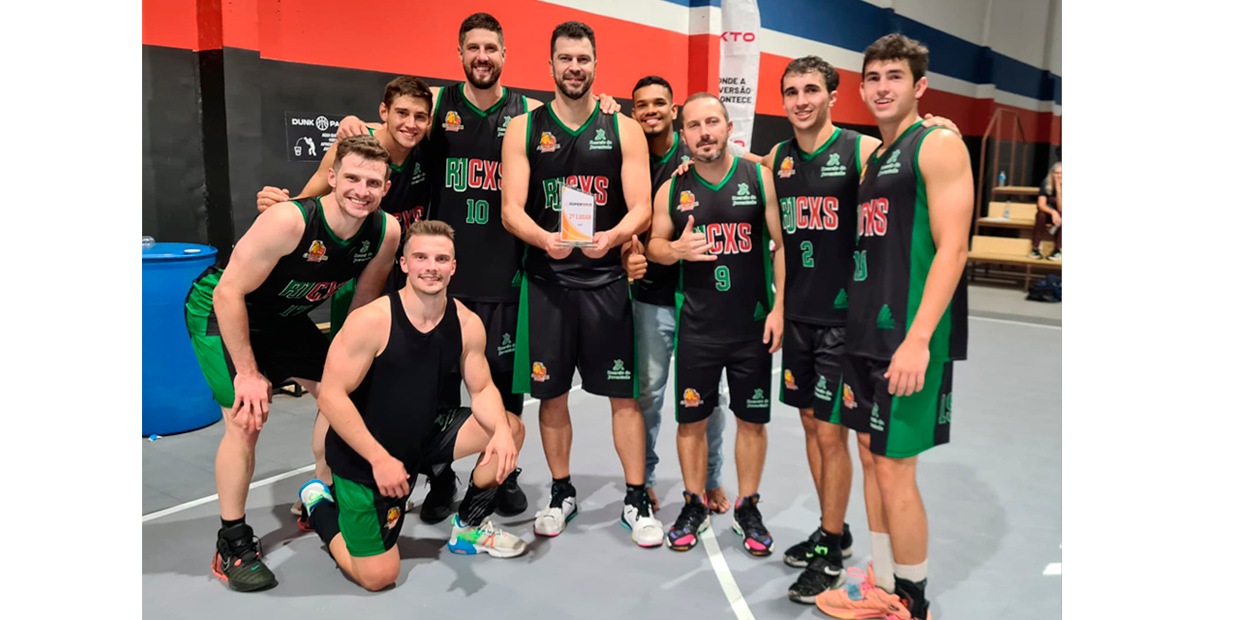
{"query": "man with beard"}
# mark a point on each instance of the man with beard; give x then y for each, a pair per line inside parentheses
(575, 308)
(728, 320)
(249, 323)
(464, 147)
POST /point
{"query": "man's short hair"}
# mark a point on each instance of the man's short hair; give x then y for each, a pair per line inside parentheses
(898, 47)
(573, 30)
(429, 228)
(485, 21)
(811, 64)
(408, 86)
(366, 147)
(654, 80)
(698, 96)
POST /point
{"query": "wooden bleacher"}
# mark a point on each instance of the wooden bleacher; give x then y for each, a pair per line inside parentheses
(1010, 251)
(1022, 216)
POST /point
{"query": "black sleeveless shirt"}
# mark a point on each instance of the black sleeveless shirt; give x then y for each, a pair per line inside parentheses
(409, 195)
(659, 285)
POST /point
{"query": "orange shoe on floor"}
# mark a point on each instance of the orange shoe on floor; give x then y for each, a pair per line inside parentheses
(862, 600)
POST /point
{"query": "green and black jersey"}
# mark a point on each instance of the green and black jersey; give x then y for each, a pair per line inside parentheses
(589, 160)
(468, 142)
(659, 285)
(725, 300)
(817, 192)
(303, 279)
(893, 254)
(409, 195)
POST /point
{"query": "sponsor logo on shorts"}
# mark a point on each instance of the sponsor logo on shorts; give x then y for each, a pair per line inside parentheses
(944, 409)
(690, 398)
(547, 143)
(787, 168)
(445, 419)
(392, 518)
(789, 377)
(822, 390)
(508, 346)
(316, 252)
(618, 372)
(834, 167)
(744, 197)
(848, 397)
(451, 122)
(538, 372)
(600, 142)
(876, 423)
(758, 400)
(686, 202)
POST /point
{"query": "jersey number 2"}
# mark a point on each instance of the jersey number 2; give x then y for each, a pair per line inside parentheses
(806, 246)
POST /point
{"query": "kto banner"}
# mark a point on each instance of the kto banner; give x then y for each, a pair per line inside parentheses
(740, 65)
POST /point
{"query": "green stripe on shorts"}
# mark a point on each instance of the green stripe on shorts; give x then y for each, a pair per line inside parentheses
(521, 355)
(358, 518)
(913, 419)
(210, 353)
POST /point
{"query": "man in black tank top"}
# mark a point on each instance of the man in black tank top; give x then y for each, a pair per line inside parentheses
(250, 329)
(391, 393)
(575, 306)
(654, 313)
(727, 318)
(913, 219)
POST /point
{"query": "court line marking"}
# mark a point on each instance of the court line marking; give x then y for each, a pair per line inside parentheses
(1010, 322)
(1054, 568)
(725, 576)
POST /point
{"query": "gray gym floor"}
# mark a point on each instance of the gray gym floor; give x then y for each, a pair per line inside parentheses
(992, 496)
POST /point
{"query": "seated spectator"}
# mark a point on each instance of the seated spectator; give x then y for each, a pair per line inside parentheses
(1049, 208)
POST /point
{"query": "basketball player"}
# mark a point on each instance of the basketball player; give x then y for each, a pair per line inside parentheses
(903, 329)
(249, 324)
(727, 317)
(575, 307)
(388, 422)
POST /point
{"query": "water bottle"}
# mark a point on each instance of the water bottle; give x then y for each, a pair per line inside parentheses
(148, 242)
(1002, 179)
(1007, 210)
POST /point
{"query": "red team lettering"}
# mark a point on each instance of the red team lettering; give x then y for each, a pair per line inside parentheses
(484, 174)
(816, 212)
(594, 185)
(873, 218)
(729, 237)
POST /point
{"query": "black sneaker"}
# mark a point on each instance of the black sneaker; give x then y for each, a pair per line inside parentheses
(440, 501)
(511, 499)
(694, 518)
(1035, 255)
(911, 595)
(821, 574)
(801, 553)
(237, 561)
(750, 526)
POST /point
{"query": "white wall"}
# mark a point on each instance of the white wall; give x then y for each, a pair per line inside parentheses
(1055, 55)
(962, 18)
(1018, 29)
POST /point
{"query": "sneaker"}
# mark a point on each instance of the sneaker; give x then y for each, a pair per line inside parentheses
(820, 575)
(799, 554)
(552, 520)
(862, 600)
(694, 518)
(644, 529)
(750, 526)
(907, 593)
(1057, 256)
(467, 540)
(312, 493)
(510, 499)
(237, 561)
(1035, 255)
(440, 501)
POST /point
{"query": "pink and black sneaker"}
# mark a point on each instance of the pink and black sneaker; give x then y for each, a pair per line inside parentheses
(694, 518)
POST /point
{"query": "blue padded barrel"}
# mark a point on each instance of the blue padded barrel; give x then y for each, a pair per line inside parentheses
(176, 397)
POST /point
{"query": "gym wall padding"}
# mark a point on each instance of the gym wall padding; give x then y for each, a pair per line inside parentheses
(219, 78)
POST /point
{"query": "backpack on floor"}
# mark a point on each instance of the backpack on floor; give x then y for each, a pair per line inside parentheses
(1049, 289)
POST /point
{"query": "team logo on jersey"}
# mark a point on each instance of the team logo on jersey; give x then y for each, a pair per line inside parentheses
(618, 372)
(787, 168)
(848, 397)
(744, 197)
(504, 127)
(600, 141)
(508, 346)
(316, 252)
(892, 165)
(547, 143)
(790, 384)
(885, 320)
(451, 122)
(392, 517)
(834, 167)
(363, 254)
(686, 201)
(538, 372)
(690, 398)
(418, 175)
(685, 158)
(841, 303)
(758, 400)
(822, 390)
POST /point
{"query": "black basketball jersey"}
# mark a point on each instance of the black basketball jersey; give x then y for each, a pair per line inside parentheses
(305, 278)
(589, 160)
(659, 285)
(725, 300)
(469, 142)
(893, 254)
(817, 195)
(401, 394)
(409, 195)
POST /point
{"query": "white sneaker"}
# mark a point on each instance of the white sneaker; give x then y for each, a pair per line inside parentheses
(552, 521)
(644, 529)
(486, 538)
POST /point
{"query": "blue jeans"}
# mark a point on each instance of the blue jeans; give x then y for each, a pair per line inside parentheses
(654, 327)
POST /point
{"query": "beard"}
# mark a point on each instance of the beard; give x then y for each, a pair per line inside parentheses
(708, 159)
(576, 94)
(471, 76)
